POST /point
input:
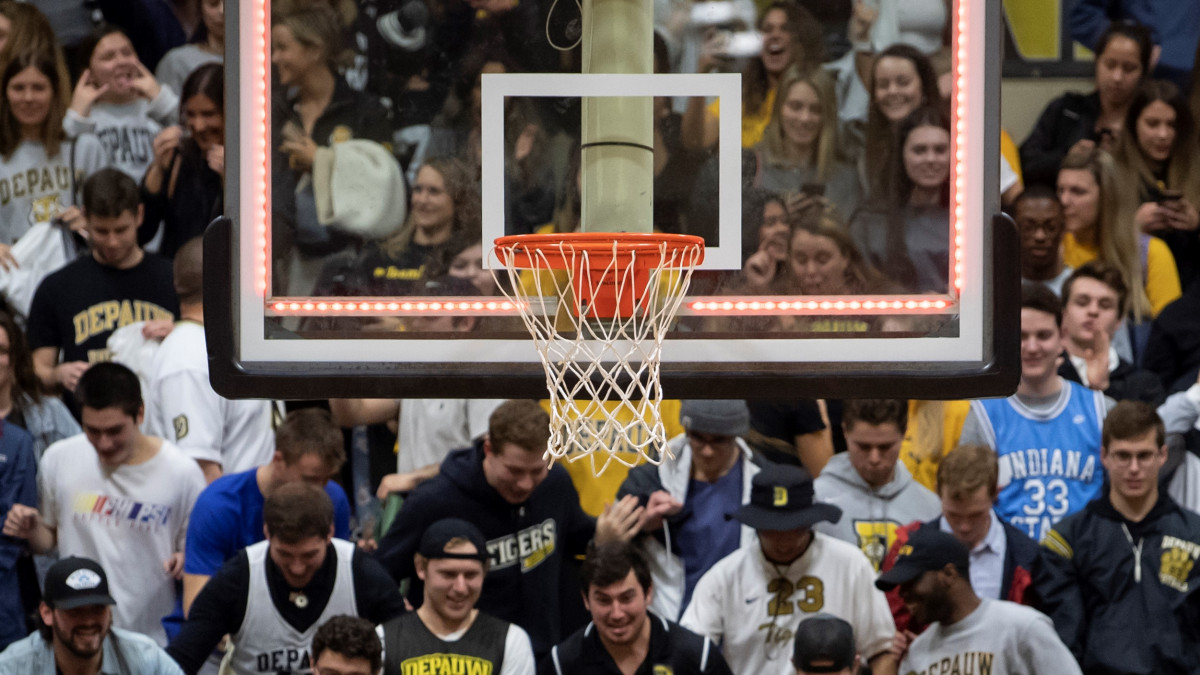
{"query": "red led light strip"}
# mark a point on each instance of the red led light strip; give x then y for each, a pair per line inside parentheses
(958, 120)
(456, 306)
(261, 172)
(765, 305)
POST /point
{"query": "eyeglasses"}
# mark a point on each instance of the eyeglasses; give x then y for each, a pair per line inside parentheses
(1126, 458)
(715, 441)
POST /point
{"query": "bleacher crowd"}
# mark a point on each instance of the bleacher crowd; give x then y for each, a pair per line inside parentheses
(153, 526)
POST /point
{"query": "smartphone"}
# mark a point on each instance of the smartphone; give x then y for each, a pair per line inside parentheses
(813, 189)
(1169, 196)
(744, 44)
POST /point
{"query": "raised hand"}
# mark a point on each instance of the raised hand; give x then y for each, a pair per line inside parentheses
(301, 150)
(759, 270)
(1097, 362)
(72, 216)
(86, 93)
(145, 84)
(619, 522)
(660, 505)
(216, 159)
(165, 144)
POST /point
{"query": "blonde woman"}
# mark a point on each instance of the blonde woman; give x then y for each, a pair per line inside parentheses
(800, 148)
(1100, 228)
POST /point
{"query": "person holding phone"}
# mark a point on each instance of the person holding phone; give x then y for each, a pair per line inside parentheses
(799, 156)
(1099, 227)
(790, 35)
(1154, 155)
(191, 157)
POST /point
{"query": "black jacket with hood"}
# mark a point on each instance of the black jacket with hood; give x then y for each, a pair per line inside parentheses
(530, 545)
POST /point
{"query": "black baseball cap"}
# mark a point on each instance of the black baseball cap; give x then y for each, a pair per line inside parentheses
(782, 498)
(928, 549)
(824, 644)
(76, 582)
(437, 535)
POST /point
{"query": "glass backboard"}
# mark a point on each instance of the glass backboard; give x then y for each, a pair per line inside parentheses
(846, 252)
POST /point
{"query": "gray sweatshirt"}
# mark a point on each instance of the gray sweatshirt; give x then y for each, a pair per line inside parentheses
(35, 188)
(870, 516)
(999, 638)
(127, 130)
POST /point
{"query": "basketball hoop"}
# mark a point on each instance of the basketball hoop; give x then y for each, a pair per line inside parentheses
(598, 305)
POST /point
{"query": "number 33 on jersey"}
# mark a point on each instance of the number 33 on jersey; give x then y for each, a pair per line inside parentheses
(1049, 459)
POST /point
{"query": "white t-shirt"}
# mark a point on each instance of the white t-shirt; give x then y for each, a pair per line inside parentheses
(130, 520)
(127, 130)
(238, 434)
(751, 607)
(999, 637)
(431, 427)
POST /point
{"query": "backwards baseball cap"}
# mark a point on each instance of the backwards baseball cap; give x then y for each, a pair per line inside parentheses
(928, 549)
(782, 498)
(726, 418)
(76, 582)
(441, 533)
(824, 644)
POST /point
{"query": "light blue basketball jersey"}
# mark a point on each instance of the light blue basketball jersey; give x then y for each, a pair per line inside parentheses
(1049, 461)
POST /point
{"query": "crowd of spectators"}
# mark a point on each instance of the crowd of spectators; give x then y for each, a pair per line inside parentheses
(149, 523)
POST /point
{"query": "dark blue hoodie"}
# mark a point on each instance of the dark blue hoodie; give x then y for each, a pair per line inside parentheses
(529, 581)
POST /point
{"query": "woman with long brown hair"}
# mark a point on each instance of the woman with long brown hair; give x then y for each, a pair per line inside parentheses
(22, 403)
(34, 93)
(1100, 225)
(1157, 159)
(905, 231)
(902, 80)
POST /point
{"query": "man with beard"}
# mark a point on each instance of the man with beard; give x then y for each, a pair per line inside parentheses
(966, 633)
(623, 635)
(447, 633)
(271, 598)
(75, 631)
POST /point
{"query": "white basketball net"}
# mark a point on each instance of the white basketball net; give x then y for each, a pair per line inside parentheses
(602, 372)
